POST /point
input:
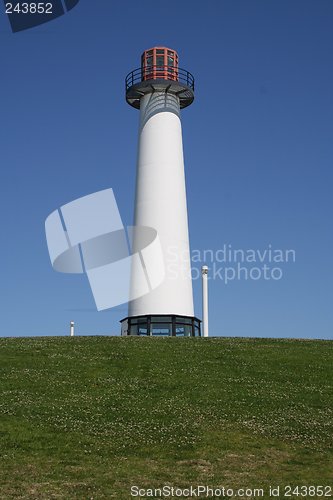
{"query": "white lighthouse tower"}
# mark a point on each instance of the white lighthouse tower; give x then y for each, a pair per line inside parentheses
(160, 89)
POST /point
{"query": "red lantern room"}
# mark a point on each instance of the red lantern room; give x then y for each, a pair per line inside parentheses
(159, 72)
(159, 63)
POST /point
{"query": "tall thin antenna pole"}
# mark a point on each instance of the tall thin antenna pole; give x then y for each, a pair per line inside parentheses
(204, 273)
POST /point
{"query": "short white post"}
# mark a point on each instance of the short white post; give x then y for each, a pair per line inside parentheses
(72, 328)
(204, 273)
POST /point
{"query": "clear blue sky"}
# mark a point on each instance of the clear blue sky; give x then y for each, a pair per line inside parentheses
(258, 146)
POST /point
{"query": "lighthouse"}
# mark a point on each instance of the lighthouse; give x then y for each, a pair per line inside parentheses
(160, 89)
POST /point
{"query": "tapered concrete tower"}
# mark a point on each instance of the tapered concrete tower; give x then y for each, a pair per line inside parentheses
(160, 89)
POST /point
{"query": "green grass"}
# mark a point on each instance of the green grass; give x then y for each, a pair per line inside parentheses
(88, 417)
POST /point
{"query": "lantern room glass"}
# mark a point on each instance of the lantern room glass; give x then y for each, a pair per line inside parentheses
(159, 63)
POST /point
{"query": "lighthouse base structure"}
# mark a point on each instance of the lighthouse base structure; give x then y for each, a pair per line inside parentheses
(162, 325)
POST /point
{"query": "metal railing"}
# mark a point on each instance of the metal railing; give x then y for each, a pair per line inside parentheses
(169, 73)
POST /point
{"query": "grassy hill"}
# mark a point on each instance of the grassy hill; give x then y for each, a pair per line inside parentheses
(89, 417)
